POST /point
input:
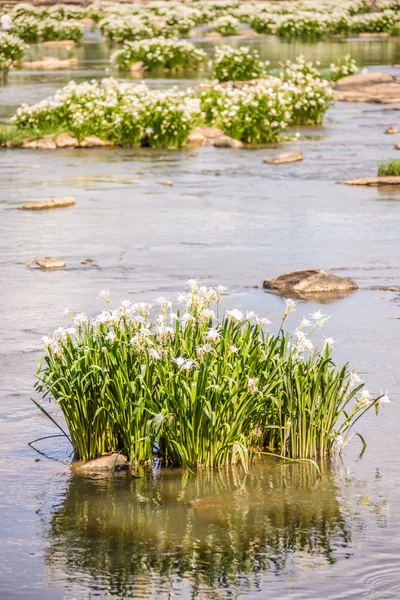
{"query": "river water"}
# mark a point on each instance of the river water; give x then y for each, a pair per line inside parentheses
(228, 219)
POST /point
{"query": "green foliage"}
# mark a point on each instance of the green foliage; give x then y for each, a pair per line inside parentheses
(343, 67)
(12, 49)
(160, 53)
(199, 390)
(237, 64)
(226, 25)
(389, 168)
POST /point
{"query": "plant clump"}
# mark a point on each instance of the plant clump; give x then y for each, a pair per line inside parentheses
(121, 113)
(226, 25)
(237, 64)
(172, 54)
(12, 49)
(197, 388)
(343, 68)
(389, 168)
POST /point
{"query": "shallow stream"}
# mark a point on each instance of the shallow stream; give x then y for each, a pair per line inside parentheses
(228, 219)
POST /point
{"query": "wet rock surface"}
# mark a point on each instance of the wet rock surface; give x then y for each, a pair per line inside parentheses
(373, 181)
(47, 204)
(212, 136)
(379, 88)
(49, 262)
(51, 63)
(104, 464)
(311, 281)
(285, 157)
(92, 141)
(46, 143)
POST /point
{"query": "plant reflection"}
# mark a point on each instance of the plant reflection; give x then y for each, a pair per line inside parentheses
(217, 528)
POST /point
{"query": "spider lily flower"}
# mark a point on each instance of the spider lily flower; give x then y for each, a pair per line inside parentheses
(290, 306)
(105, 295)
(234, 315)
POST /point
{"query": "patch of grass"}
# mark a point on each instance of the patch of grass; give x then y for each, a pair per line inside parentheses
(389, 168)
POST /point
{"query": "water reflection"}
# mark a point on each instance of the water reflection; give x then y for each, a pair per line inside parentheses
(216, 529)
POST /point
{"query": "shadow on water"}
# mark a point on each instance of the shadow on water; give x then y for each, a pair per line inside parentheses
(216, 530)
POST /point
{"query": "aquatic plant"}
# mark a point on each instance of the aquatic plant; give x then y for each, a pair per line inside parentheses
(343, 67)
(198, 388)
(226, 25)
(122, 113)
(160, 53)
(311, 96)
(53, 29)
(255, 114)
(389, 168)
(121, 29)
(12, 49)
(237, 64)
(26, 27)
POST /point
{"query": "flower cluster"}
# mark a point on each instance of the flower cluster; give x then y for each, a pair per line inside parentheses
(123, 113)
(33, 29)
(226, 25)
(343, 67)
(310, 95)
(130, 380)
(121, 29)
(12, 49)
(237, 64)
(160, 53)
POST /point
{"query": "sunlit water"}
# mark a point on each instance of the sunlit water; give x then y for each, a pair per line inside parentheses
(228, 219)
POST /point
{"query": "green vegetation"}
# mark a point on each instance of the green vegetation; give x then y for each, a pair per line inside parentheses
(157, 53)
(237, 64)
(389, 168)
(198, 389)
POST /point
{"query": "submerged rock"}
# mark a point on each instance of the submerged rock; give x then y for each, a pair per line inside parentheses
(285, 157)
(373, 181)
(46, 204)
(311, 281)
(65, 140)
(50, 63)
(48, 262)
(92, 141)
(212, 136)
(104, 464)
(165, 182)
(46, 143)
(59, 44)
(392, 130)
(137, 67)
(379, 88)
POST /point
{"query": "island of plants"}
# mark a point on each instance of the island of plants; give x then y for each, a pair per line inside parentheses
(199, 388)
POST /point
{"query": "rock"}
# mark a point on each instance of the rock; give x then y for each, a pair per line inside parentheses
(397, 147)
(50, 63)
(392, 130)
(379, 34)
(46, 143)
(212, 136)
(46, 204)
(137, 67)
(48, 262)
(285, 157)
(92, 141)
(59, 44)
(312, 281)
(379, 88)
(165, 182)
(65, 140)
(373, 181)
(214, 35)
(105, 463)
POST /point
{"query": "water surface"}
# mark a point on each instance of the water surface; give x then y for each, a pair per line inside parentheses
(228, 219)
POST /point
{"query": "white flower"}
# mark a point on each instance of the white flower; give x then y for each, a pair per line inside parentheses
(80, 320)
(47, 342)
(317, 316)
(354, 378)
(154, 354)
(158, 418)
(263, 321)
(290, 306)
(233, 349)
(105, 295)
(234, 315)
(110, 337)
(252, 386)
(67, 312)
(340, 440)
(304, 323)
(180, 361)
(385, 399)
(164, 303)
(329, 341)
(212, 335)
(365, 398)
(125, 303)
(192, 284)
